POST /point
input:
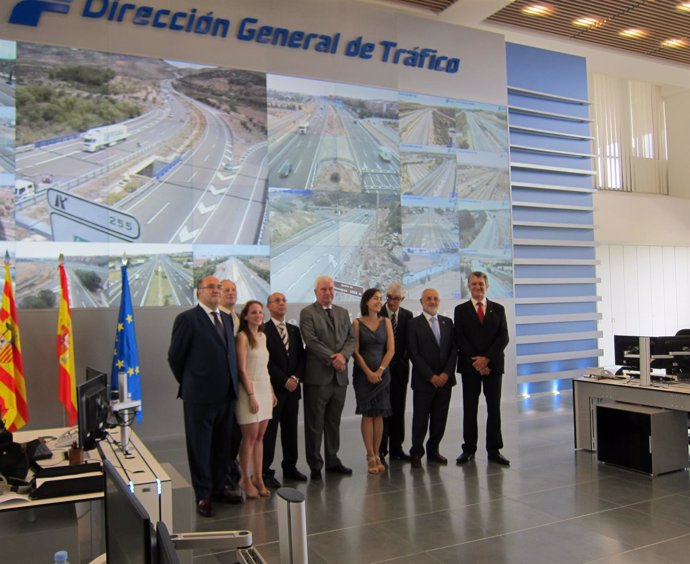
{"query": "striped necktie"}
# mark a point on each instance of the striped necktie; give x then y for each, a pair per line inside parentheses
(283, 334)
(394, 323)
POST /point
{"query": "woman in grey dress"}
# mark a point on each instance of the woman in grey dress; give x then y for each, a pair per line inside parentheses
(374, 349)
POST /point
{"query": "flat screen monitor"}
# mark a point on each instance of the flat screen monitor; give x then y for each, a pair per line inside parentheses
(93, 407)
(624, 345)
(165, 548)
(128, 529)
(678, 348)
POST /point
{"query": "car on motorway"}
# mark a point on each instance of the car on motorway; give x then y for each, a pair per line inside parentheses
(285, 169)
(385, 154)
(23, 187)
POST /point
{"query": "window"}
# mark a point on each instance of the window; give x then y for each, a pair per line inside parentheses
(630, 135)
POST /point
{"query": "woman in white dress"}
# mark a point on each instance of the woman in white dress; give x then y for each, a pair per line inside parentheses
(256, 398)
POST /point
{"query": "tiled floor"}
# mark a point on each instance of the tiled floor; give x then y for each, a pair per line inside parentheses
(553, 505)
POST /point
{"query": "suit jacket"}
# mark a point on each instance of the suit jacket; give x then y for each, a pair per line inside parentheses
(321, 341)
(427, 356)
(401, 359)
(283, 364)
(202, 364)
(487, 339)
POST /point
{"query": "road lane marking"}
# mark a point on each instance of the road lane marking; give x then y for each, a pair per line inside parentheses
(160, 211)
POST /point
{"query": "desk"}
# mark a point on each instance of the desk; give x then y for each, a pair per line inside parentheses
(588, 392)
(150, 482)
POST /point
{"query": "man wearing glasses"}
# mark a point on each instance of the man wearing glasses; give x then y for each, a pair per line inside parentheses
(202, 359)
(394, 426)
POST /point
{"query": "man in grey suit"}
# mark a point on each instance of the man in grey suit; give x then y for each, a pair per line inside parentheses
(327, 334)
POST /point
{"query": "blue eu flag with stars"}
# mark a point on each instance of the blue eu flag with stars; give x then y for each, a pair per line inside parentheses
(125, 355)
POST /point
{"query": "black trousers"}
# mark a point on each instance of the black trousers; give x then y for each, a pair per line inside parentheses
(207, 433)
(429, 411)
(472, 386)
(285, 415)
(394, 426)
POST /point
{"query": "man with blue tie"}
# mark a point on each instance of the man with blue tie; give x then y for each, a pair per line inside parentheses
(203, 361)
(433, 355)
(481, 335)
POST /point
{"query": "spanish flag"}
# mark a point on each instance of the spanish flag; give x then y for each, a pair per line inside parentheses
(13, 405)
(67, 387)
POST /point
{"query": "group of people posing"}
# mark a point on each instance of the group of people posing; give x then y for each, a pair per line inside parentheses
(241, 377)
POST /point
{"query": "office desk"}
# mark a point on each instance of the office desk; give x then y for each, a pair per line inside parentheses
(150, 483)
(588, 393)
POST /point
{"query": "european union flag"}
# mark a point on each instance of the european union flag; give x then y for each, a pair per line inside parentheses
(125, 355)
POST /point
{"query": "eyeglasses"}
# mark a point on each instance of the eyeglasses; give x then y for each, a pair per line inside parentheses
(211, 287)
(395, 298)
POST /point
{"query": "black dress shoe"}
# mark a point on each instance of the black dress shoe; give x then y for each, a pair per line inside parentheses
(437, 458)
(315, 475)
(228, 496)
(498, 458)
(464, 458)
(294, 474)
(403, 457)
(272, 482)
(340, 469)
(204, 508)
(416, 461)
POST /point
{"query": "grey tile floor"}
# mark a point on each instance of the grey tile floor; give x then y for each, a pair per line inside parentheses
(553, 505)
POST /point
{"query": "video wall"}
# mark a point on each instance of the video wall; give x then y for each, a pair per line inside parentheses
(267, 180)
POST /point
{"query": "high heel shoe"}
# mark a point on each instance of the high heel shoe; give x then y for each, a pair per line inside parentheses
(249, 490)
(380, 465)
(261, 488)
(373, 467)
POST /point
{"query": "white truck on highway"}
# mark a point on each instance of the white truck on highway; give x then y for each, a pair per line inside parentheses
(99, 137)
(303, 128)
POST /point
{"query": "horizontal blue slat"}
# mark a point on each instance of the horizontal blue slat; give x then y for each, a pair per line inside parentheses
(551, 252)
(555, 309)
(554, 290)
(556, 346)
(551, 328)
(556, 366)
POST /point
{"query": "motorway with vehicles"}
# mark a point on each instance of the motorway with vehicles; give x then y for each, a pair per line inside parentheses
(336, 141)
(426, 126)
(209, 192)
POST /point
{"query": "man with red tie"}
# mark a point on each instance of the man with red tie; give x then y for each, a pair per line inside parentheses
(481, 335)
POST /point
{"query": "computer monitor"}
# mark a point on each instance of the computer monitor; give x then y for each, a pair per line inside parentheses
(128, 528)
(165, 548)
(678, 348)
(623, 346)
(93, 407)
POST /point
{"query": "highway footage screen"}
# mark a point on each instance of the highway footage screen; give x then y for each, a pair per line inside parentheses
(268, 180)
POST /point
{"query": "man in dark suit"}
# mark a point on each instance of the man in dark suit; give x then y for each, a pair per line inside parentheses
(481, 335)
(394, 426)
(433, 355)
(330, 342)
(202, 359)
(285, 365)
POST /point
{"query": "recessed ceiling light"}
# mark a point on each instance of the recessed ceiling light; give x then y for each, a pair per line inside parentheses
(588, 22)
(683, 7)
(633, 33)
(674, 43)
(538, 10)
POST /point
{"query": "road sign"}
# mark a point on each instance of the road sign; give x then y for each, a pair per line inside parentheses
(349, 289)
(89, 214)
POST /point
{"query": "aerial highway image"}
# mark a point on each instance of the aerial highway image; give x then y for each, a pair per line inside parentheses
(481, 127)
(353, 238)
(159, 275)
(7, 123)
(117, 148)
(485, 225)
(482, 176)
(248, 267)
(332, 137)
(427, 120)
(431, 174)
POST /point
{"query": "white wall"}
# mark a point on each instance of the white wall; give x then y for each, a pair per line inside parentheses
(678, 135)
(644, 265)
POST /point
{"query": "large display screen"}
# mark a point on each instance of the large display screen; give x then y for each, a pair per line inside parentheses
(267, 180)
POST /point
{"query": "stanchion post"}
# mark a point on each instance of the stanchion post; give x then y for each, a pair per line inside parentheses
(292, 526)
